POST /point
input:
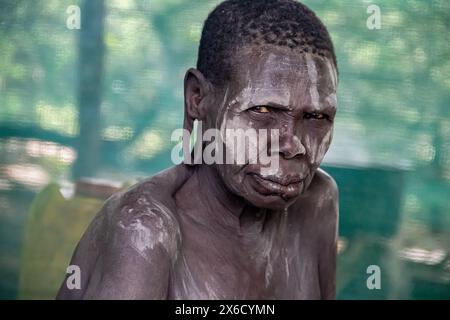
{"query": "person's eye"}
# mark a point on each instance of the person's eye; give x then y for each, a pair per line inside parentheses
(261, 109)
(316, 116)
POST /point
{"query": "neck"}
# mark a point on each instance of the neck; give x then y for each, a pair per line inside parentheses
(230, 209)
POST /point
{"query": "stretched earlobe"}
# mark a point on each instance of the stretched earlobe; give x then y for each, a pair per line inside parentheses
(196, 88)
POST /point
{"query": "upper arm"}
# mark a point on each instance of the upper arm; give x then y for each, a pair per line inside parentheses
(328, 238)
(122, 272)
(129, 254)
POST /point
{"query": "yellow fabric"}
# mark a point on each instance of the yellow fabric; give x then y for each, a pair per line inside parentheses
(54, 227)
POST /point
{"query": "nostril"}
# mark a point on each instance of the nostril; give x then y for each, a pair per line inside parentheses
(292, 147)
(300, 147)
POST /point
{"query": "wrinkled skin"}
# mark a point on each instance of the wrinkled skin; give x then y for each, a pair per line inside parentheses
(229, 231)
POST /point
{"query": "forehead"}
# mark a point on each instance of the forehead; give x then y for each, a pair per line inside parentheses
(283, 75)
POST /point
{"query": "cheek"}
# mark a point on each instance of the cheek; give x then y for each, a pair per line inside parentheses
(233, 178)
(317, 145)
(240, 140)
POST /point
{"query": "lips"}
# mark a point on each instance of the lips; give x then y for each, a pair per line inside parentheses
(287, 187)
(285, 181)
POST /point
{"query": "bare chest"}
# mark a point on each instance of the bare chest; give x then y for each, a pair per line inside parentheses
(277, 263)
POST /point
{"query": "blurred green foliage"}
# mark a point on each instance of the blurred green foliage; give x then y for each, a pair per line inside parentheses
(394, 115)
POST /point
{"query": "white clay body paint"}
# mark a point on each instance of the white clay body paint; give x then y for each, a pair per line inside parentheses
(312, 73)
(332, 99)
(332, 71)
(155, 231)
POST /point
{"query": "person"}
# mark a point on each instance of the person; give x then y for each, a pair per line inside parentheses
(228, 230)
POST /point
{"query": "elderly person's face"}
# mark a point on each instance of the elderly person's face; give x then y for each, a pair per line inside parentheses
(277, 89)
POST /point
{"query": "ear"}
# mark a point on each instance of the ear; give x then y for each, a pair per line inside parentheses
(196, 88)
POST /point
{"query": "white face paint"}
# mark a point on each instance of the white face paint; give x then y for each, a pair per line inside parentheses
(331, 99)
(312, 73)
(239, 137)
(290, 86)
(332, 72)
(318, 152)
(323, 148)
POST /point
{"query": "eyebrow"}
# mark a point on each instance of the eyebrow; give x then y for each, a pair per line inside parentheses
(277, 105)
(324, 106)
(329, 109)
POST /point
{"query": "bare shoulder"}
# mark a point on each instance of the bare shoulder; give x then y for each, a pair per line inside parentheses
(144, 222)
(316, 217)
(144, 217)
(327, 197)
(328, 217)
(320, 204)
(324, 186)
(131, 244)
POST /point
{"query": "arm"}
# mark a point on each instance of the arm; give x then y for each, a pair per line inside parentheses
(128, 250)
(125, 255)
(328, 240)
(137, 260)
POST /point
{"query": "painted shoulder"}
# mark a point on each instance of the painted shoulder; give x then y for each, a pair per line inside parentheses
(326, 184)
(322, 197)
(327, 200)
(144, 217)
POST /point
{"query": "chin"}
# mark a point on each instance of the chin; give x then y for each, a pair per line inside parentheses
(271, 202)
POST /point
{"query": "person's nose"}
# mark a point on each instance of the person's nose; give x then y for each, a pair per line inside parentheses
(290, 142)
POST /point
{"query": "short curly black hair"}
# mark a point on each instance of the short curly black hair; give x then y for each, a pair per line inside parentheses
(235, 23)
